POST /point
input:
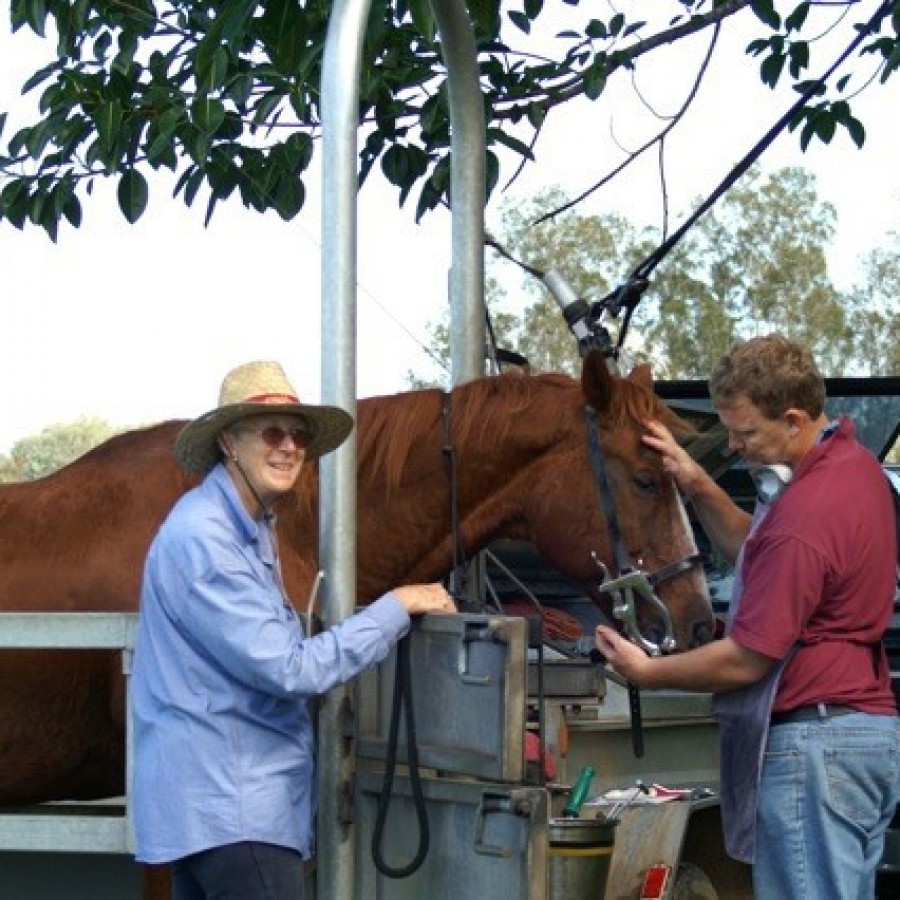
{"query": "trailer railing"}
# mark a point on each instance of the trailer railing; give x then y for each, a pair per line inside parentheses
(102, 827)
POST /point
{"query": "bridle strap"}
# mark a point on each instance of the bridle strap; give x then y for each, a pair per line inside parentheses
(674, 569)
(458, 575)
(604, 488)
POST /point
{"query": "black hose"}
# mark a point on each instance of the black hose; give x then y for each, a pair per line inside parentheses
(402, 697)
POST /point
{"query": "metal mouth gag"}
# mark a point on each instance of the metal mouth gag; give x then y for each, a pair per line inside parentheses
(625, 591)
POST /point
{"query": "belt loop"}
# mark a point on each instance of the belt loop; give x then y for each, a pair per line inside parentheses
(823, 710)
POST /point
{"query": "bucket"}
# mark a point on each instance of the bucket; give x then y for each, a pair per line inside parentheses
(580, 853)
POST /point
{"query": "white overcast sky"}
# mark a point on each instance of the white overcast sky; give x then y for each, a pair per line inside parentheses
(133, 324)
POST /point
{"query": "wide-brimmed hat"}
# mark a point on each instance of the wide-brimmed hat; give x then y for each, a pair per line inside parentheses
(258, 388)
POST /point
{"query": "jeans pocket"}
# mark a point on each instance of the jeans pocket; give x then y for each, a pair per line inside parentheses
(858, 778)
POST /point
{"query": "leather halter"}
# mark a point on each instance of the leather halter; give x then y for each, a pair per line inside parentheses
(630, 580)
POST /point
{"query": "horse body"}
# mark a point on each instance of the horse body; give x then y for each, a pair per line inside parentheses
(76, 540)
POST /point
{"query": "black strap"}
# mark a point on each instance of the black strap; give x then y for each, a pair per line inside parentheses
(402, 697)
(623, 561)
(458, 576)
(604, 488)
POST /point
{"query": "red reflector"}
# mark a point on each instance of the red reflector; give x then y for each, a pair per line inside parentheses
(655, 882)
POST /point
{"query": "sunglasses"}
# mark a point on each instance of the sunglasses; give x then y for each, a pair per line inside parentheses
(274, 436)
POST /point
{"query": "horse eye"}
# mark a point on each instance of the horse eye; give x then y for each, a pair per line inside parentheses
(647, 485)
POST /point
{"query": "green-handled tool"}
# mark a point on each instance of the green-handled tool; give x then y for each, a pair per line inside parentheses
(579, 793)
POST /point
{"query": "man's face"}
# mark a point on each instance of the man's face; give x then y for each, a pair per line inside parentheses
(759, 440)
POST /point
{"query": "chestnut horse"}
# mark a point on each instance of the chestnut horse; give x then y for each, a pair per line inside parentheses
(76, 539)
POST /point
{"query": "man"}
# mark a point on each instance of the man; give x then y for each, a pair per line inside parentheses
(810, 744)
(223, 668)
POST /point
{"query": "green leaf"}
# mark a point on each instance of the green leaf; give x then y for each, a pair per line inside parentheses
(36, 15)
(208, 114)
(40, 76)
(794, 22)
(799, 56)
(501, 137)
(596, 29)
(520, 20)
(595, 78)
(765, 12)
(486, 17)
(289, 196)
(109, 124)
(771, 68)
(393, 164)
(423, 19)
(132, 194)
(857, 131)
(537, 112)
(212, 70)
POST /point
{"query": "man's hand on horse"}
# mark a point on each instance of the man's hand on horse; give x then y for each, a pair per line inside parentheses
(688, 474)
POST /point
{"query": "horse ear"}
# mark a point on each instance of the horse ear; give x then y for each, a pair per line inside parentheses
(642, 375)
(597, 382)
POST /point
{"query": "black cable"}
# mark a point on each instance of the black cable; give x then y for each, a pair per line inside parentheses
(402, 697)
(627, 295)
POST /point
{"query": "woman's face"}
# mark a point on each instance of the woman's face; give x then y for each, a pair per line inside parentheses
(270, 450)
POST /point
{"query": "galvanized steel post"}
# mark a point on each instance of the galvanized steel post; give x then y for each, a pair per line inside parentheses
(337, 530)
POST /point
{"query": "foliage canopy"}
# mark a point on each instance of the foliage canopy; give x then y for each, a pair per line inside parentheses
(226, 93)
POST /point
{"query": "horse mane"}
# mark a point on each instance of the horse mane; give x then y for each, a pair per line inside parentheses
(390, 427)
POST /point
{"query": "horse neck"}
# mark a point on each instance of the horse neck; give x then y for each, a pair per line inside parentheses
(498, 429)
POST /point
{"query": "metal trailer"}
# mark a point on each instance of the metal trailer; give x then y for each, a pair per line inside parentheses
(70, 850)
(474, 695)
(490, 815)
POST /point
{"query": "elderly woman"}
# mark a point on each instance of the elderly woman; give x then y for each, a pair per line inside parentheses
(223, 670)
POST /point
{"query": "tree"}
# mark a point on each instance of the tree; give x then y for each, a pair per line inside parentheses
(226, 93)
(588, 251)
(875, 316)
(754, 264)
(56, 446)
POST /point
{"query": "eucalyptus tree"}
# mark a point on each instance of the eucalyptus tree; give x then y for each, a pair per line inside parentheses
(755, 263)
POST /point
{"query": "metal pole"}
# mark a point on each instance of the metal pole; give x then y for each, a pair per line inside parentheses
(337, 472)
(337, 529)
(467, 200)
(467, 189)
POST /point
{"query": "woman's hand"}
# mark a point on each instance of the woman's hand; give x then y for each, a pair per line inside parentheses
(418, 599)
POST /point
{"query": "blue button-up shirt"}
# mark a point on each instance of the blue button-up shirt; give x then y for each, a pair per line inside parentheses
(223, 739)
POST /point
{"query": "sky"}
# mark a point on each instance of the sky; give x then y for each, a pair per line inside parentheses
(136, 323)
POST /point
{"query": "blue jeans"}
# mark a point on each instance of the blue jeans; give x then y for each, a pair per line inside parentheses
(827, 793)
(243, 871)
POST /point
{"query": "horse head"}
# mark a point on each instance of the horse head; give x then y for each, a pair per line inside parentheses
(577, 516)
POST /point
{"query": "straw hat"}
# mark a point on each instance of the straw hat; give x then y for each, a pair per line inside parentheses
(254, 389)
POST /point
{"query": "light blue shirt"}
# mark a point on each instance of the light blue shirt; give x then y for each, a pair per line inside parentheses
(224, 749)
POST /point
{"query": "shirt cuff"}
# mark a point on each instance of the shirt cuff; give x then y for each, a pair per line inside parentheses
(390, 615)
